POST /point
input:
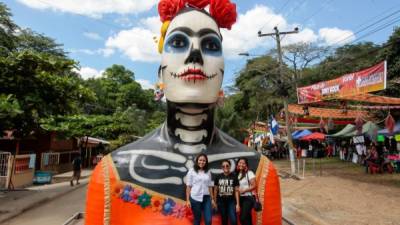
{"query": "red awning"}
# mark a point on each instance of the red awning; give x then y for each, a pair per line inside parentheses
(313, 136)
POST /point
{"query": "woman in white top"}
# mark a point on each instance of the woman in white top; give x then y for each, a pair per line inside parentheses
(199, 189)
(247, 184)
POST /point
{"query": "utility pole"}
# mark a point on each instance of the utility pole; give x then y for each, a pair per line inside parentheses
(277, 36)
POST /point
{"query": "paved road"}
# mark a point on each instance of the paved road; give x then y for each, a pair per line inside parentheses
(54, 212)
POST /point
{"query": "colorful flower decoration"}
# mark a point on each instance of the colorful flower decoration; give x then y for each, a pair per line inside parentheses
(126, 197)
(118, 190)
(179, 211)
(157, 204)
(201, 4)
(168, 206)
(135, 195)
(224, 12)
(169, 8)
(144, 200)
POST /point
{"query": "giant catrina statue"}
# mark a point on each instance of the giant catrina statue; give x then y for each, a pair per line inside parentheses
(143, 183)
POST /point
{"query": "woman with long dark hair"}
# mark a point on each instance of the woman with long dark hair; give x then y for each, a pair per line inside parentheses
(226, 192)
(199, 190)
(247, 184)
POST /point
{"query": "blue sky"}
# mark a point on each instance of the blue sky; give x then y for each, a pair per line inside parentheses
(99, 33)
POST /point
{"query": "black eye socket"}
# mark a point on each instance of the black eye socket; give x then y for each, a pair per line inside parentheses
(178, 41)
(211, 45)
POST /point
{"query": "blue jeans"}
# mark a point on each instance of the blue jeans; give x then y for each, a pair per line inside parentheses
(199, 208)
(227, 209)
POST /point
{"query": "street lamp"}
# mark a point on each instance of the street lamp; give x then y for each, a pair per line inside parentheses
(248, 54)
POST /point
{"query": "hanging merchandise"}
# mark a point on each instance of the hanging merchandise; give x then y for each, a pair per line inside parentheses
(331, 124)
(343, 105)
(397, 137)
(359, 124)
(306, 111)
(322, 125)
(390, 123)
(381, 138)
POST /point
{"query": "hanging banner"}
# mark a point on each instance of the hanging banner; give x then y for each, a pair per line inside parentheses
(361, 82)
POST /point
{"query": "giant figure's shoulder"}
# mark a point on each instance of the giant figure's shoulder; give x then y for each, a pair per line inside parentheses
(155, 140)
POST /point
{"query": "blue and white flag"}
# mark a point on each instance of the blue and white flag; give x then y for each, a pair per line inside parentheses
(274, 126)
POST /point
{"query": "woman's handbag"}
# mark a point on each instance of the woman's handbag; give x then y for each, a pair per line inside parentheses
(256, 202)
(256, 205)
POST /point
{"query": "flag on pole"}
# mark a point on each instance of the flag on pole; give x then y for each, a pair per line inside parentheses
(274, 126)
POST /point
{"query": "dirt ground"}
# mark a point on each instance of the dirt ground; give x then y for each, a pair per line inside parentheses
(340, 193)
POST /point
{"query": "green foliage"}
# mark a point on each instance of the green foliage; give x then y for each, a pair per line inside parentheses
(109, 127)
(155, 120)
(118, 89)
(7, 30)
(42, 84)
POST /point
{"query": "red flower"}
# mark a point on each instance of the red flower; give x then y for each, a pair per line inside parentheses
(224, 12)
(390, 123)
(201, 4)
(169, 8)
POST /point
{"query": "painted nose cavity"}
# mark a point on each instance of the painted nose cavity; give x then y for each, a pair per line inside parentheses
(194, 57)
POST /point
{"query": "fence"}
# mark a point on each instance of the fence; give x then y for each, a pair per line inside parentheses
(24, 169)
(57, 162)
(5, 169)
(50, 161)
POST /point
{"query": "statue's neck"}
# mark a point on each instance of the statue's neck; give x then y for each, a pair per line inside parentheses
(191, 125)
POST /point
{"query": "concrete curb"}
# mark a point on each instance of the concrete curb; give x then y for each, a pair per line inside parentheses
(314, 220)
(39, 202)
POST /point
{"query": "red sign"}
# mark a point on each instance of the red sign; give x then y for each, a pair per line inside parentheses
(361, 82)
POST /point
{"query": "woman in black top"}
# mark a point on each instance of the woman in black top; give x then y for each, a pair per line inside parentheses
(226, 191)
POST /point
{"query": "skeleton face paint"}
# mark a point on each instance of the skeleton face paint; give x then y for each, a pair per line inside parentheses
(192, 60)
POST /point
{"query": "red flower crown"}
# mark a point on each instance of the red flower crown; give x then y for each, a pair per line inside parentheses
(223, 11)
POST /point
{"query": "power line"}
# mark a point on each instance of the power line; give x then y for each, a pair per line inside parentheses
(365, 28)
(293, 9)
(272, 16)
(320, 9)
(378, 29)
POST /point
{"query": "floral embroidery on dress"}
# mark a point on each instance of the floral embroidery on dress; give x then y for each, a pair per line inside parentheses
(166, 206)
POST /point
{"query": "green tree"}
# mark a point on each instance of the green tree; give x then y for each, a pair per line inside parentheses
(118, 89)
(121, 127)
(43, 85)
(7, 30)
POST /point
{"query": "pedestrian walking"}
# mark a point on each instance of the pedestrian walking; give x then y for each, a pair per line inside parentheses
(226, 191)
(199, 191)
(77, 168)
(247, 184)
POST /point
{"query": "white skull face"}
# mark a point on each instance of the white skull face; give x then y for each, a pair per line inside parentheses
(192, 66)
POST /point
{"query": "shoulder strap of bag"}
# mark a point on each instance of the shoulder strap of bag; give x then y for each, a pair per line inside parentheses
(254, 193)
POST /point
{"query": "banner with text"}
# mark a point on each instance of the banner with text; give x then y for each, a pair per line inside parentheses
(361, 82)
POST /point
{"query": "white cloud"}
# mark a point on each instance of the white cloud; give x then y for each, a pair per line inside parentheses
(243, 37)
(92, 35)
(336, 36)
(123, 21)
(106, 52)
(138, 43)
(88, 72)
(92, 8)
(146, 84)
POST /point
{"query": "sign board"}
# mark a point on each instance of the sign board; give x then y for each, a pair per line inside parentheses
(361, 82)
